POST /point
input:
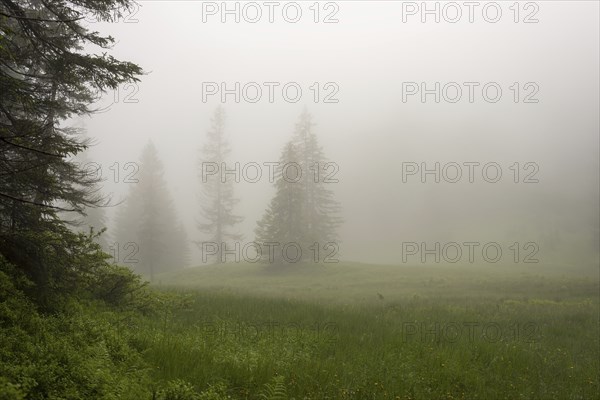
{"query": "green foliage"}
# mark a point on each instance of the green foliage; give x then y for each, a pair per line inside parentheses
(67, 316)
(217, 391)
(327, 337)
(119, 287)
(10, 391)
(14, 305)
(207, 345)
(178, 390)
(73, 266)
(275, 390)
(181, 390)
(47, 77)
(81, 353)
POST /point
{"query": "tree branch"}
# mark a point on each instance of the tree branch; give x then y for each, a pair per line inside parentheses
(38, 204)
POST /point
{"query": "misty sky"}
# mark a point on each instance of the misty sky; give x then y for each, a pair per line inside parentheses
(370, 132)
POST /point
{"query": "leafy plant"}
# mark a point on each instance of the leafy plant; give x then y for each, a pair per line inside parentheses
(178, 390)
(275, 390)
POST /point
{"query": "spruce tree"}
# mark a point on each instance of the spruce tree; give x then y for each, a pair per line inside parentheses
(49, 73)
(283, 222)
(303, 210)
(319, 208)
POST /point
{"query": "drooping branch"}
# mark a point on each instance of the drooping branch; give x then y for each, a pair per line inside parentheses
(38, 204)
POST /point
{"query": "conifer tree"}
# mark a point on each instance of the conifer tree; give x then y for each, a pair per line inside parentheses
(319, 208)
(49, 73)
(283, 221)
(303, 210)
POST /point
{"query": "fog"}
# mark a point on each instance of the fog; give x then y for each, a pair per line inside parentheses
(371, 133)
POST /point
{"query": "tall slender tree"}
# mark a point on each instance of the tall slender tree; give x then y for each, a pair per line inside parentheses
(217, 198)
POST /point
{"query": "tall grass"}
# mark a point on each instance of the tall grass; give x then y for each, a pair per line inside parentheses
(541, 343)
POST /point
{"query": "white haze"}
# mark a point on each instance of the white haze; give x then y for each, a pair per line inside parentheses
(370, 132)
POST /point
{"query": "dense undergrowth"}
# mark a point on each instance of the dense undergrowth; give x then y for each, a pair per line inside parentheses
(119, 339)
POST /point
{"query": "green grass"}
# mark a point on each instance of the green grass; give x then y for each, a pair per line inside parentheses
(353, 331)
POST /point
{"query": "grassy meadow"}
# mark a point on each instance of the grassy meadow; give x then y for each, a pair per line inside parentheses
(356, 331)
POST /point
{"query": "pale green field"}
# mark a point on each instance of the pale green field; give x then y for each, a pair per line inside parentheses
(356, 331)
(351, 283)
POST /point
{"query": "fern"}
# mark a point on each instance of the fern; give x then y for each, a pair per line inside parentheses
(275, 390)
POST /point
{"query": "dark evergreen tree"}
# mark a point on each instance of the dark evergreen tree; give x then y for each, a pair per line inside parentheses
(48, 75)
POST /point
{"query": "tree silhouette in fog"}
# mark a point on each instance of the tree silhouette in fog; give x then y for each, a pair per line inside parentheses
(217, 199)
(149, 237)
(303, 210)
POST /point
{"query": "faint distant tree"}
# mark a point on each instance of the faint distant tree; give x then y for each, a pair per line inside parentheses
(320, 210)
(149, 237)
(283, 221)
(217, 199)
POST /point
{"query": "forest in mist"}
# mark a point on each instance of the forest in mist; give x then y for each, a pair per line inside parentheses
(544, 144)
(299, 200)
